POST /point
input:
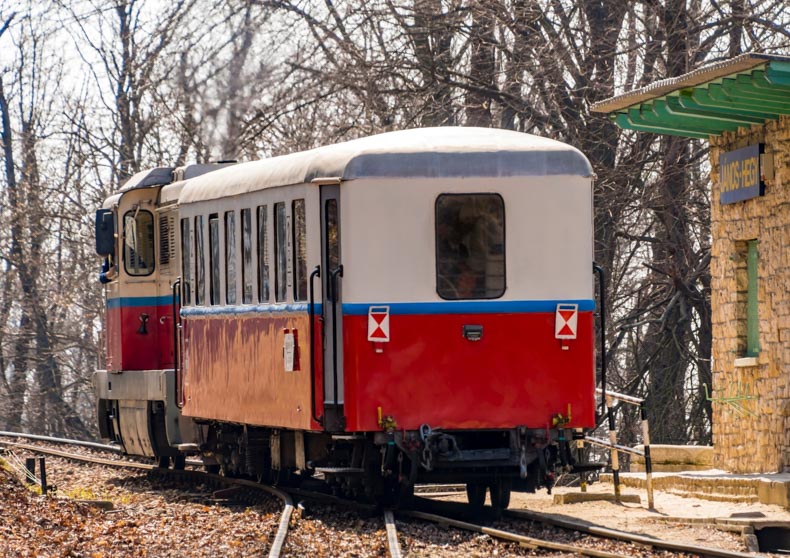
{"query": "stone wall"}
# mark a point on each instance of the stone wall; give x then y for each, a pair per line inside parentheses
(751, 432)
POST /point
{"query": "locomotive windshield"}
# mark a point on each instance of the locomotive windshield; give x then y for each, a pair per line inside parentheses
(138, 234)
(470, 246)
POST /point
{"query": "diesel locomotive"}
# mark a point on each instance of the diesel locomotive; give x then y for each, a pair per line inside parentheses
(415, 306)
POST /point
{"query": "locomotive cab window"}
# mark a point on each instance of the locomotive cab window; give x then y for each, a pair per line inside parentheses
(470, 246)
(138, 242)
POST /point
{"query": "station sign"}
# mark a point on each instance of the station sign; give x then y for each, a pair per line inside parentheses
(740, 174)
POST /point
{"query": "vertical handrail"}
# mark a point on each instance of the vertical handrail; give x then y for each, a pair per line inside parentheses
(176, 287)
(602, 320)
(334, 290)
(316, 273)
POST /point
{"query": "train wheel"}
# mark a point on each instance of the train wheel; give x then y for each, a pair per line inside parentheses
(179, 462)
(163, 462)
(476, 495)
(500, 493)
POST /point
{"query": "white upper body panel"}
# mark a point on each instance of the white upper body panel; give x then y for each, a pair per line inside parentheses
(389, 237)
(389, 187)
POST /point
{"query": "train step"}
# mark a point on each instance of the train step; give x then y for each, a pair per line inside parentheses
(588, 466)
(340, 470)
(188, 448)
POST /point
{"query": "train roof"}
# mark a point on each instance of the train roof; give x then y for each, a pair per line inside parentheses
(423, 152)
(148, 178)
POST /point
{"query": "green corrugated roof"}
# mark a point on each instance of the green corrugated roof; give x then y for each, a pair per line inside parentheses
(745, 90)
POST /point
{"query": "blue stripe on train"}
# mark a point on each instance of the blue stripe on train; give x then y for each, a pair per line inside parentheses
(359, 309)
(401, 308)
(469, 307)
(137, 301)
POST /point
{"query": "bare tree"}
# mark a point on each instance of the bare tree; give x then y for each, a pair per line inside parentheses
(36, 387)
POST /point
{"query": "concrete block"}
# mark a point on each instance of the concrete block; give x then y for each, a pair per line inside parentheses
(675, 458)
(578, 497)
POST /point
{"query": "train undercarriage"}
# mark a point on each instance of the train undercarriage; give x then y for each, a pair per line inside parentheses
(384, 467)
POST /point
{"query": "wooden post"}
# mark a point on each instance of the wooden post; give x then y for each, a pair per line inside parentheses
(43, 469)
(30, 467)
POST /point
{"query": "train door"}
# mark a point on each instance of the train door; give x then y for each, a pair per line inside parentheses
(166, 228)
(332, 308)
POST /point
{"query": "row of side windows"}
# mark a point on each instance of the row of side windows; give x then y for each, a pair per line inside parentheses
(201, 256)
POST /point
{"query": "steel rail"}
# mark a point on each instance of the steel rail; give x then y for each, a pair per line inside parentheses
(597, 530)
(83, 458)
(104, 447)
(285, 518)
(508, 536)
(112, 448)
(392, 534)
(428, 489)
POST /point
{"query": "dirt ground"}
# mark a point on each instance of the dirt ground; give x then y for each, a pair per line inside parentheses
(675, 518)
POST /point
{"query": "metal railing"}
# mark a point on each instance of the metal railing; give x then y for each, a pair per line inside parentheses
(609, 398)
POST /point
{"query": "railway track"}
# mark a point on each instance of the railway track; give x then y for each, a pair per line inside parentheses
(510, 527)
(522, 540)
(279, 539)
(226, 488)
(392, 534)
(451, 514)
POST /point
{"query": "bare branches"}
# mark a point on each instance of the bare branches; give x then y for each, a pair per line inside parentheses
(7, 23)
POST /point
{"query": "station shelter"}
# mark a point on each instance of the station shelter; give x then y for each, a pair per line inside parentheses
(742, 107)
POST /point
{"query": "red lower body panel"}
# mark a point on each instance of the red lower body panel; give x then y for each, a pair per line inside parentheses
(130, 346)
(517, 374)
(234, 370)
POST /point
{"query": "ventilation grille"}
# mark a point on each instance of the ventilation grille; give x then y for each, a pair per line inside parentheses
(167, 241)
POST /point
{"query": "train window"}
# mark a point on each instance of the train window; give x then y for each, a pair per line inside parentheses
(186, 264)
(263, 253)
(280, 253)
(300, 249)
(138, 242)
(247, 276)
(200, 262)
(470, 246)
(230, 257)
(332, 240)
(213, 258)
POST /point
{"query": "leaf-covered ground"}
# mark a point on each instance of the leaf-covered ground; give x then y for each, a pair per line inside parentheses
(151, 520)
(145, 521)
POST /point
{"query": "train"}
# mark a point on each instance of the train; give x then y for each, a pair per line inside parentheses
(411, 307)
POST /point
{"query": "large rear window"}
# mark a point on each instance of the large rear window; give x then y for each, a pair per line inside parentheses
(470, 246)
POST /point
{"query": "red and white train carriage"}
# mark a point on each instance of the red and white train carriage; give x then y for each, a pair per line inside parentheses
(414, 306)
